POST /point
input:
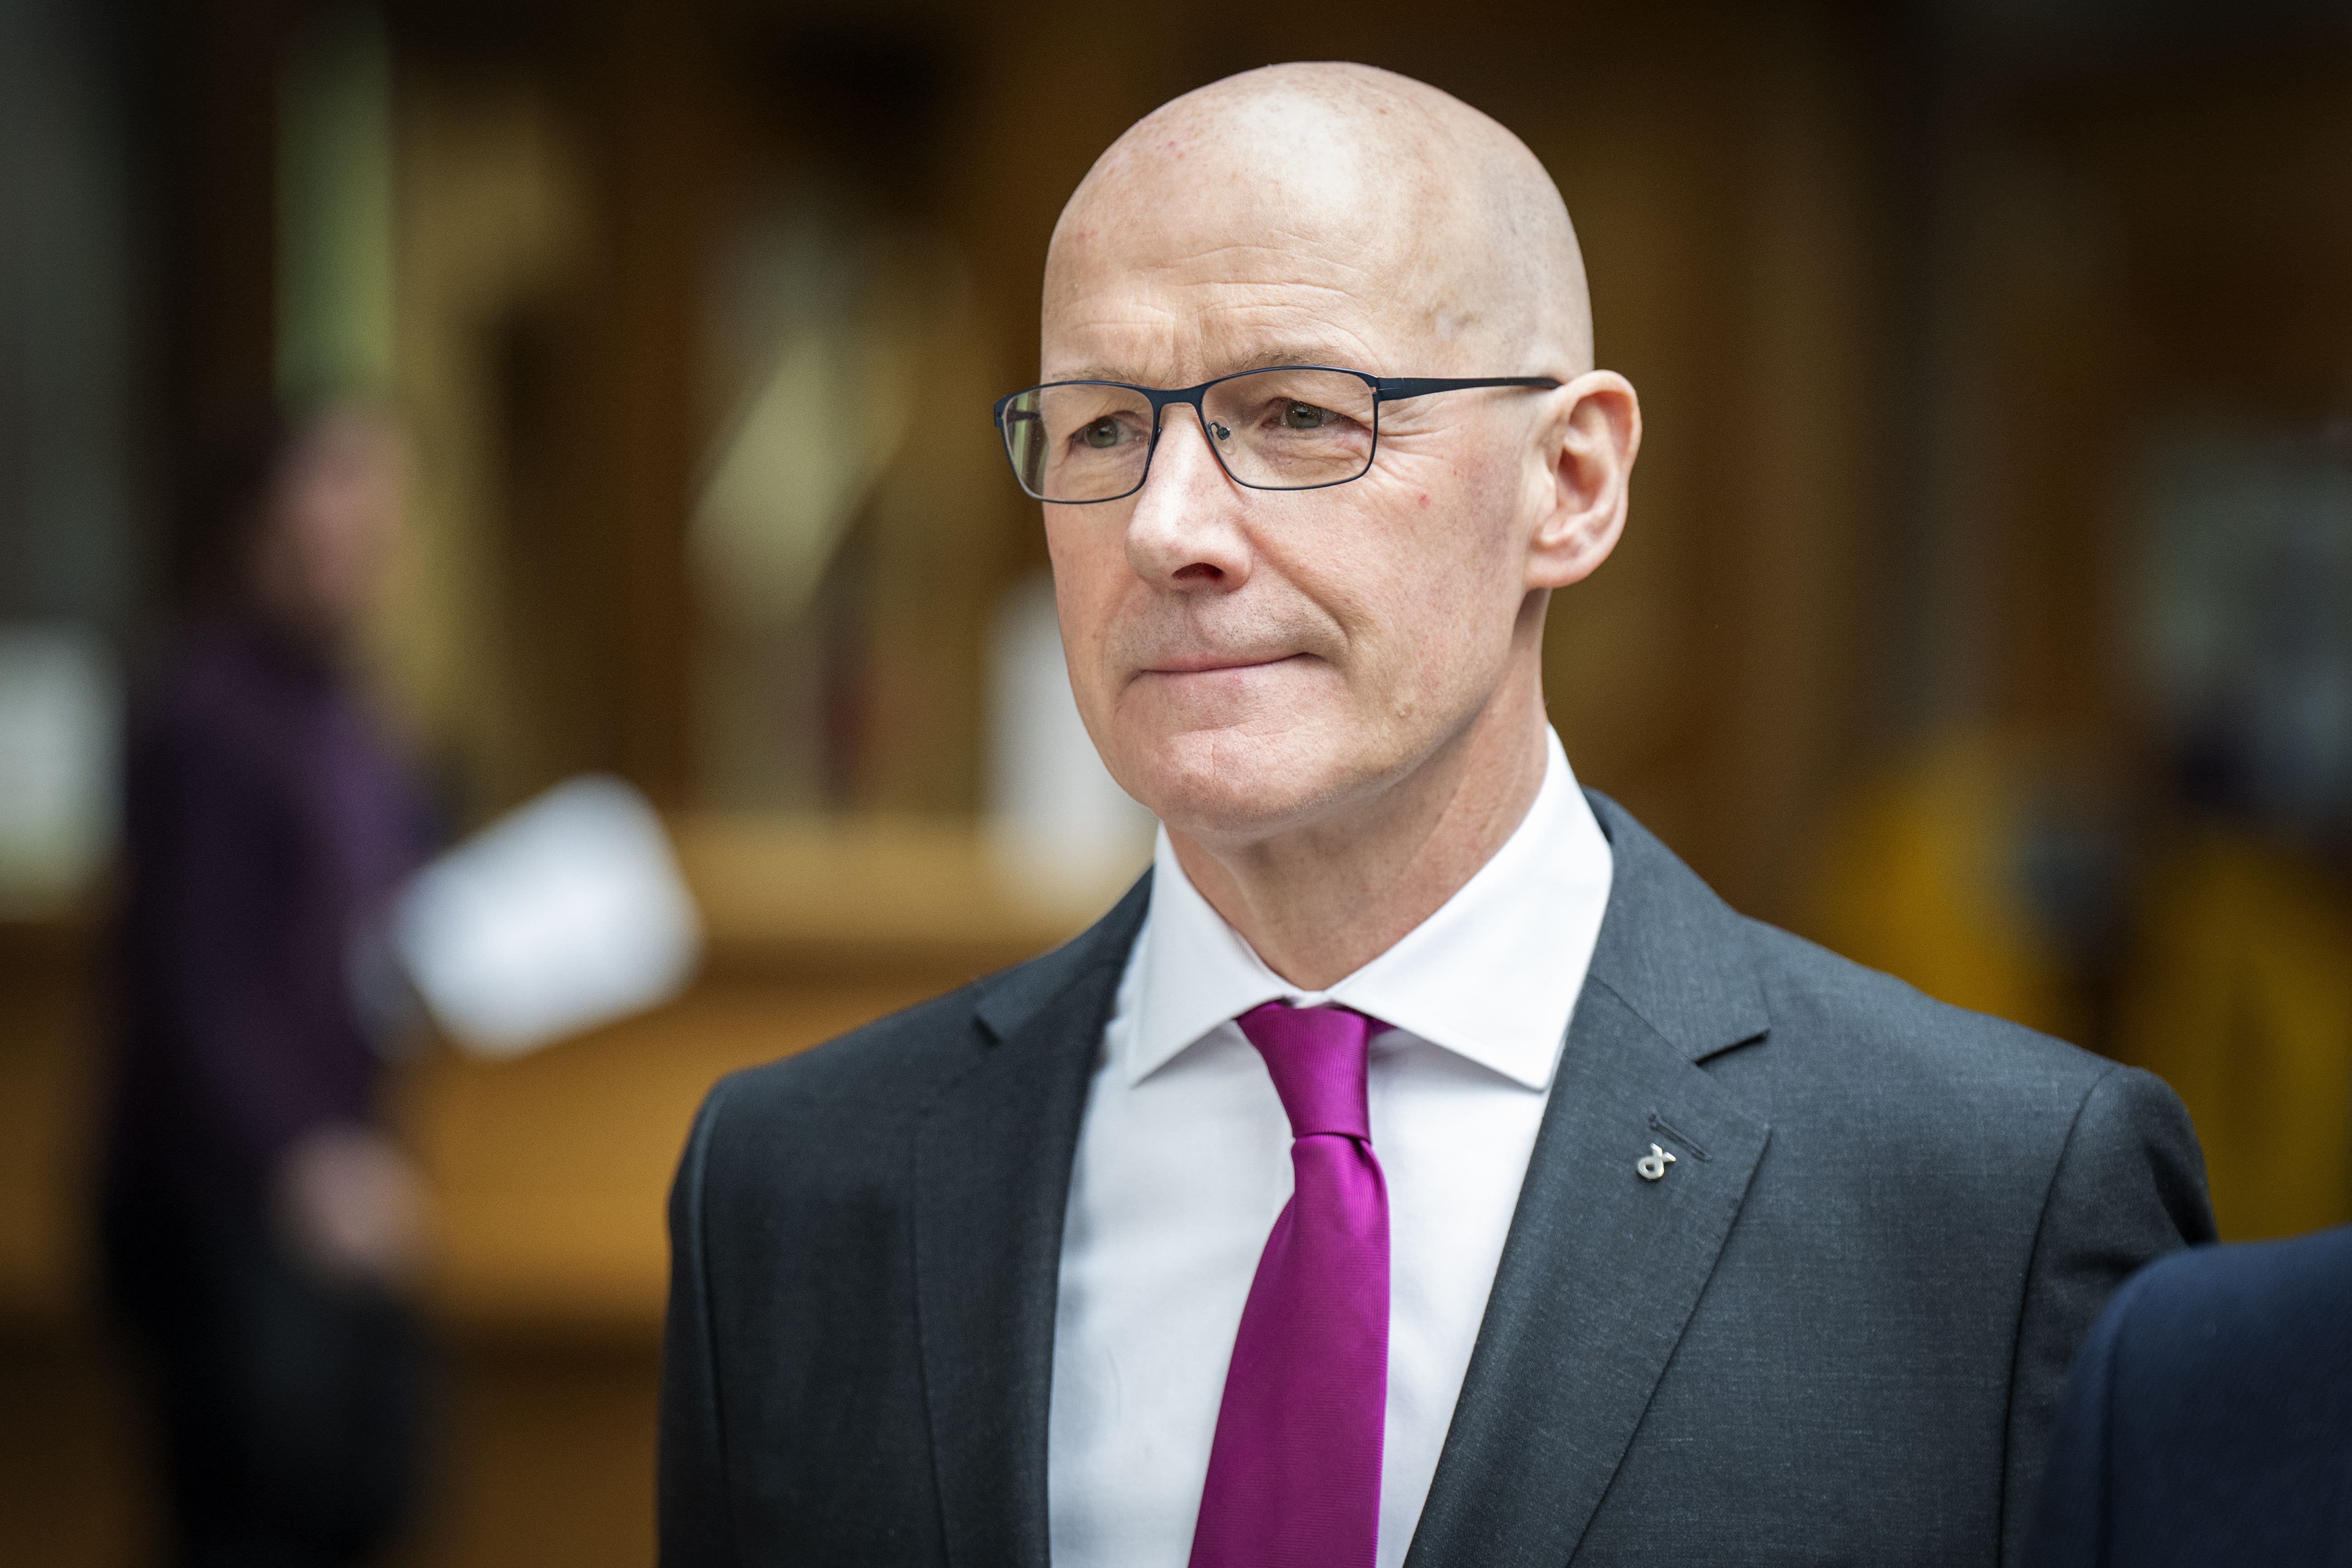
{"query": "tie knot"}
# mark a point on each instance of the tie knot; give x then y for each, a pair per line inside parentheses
(1316, 1056)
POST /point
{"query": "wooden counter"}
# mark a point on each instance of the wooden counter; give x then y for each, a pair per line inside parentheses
(554, 1169)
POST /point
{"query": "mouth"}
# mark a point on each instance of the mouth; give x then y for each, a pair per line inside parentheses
(1215, 664)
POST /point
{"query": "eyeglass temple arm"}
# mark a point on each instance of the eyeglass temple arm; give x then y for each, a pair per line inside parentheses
(1393, 389)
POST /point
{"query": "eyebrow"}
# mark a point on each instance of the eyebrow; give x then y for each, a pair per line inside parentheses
(1268, 358)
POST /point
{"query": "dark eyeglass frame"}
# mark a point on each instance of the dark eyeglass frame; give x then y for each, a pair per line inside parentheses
(1384, 389)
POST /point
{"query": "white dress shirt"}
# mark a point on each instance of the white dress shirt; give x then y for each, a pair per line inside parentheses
(1183, 1162)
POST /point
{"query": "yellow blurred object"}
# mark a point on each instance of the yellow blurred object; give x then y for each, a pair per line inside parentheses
(2239, 995)
(1920, 879)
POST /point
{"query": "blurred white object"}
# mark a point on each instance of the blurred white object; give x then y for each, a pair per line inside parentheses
(60, 719)
(568, 913)
(1061, 830)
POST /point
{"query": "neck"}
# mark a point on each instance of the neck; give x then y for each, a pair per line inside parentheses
(1320, 901)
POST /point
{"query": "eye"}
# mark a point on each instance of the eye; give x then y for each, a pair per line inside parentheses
(1296, 415)
(1104, 432)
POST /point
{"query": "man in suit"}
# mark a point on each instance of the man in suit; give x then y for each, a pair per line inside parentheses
(1420, 1164)
(2210, 1417)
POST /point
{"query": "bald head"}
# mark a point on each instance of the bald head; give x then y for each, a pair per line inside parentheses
(1435, 227)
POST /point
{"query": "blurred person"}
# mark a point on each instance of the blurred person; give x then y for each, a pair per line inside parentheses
(259, 1231)
(1420, 1159)
(2210, 1417)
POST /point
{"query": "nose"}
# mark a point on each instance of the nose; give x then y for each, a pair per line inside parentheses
(1185, 533)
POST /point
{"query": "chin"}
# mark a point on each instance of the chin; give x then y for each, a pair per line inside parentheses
(1227, 786)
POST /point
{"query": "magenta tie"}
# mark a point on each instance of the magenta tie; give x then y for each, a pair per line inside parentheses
(1295, 1471)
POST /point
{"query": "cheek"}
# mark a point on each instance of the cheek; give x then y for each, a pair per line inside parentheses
(1473, 542)
(1087, 581)
(1447, 546)
(1433, 604)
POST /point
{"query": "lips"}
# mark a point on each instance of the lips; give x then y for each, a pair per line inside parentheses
(1208, 663)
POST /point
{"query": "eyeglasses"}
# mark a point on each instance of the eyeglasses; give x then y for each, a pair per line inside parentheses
(1293, 427)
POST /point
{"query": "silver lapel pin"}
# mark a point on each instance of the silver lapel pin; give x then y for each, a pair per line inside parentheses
(1654, 1164)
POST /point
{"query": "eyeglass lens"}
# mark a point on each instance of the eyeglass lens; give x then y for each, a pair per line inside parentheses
(1283, 430)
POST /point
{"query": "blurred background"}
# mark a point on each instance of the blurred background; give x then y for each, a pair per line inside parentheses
(1986, 611)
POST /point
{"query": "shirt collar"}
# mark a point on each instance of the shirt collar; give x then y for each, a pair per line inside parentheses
(1492, 977)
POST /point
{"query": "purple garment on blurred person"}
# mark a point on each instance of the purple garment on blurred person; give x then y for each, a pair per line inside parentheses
(265, 820)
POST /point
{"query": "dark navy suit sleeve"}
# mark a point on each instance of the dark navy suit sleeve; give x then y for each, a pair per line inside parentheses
(2070, 1525)
(696, 1523)
(2210, 1417)
(2129, 1187)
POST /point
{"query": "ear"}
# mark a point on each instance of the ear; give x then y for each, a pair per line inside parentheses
(1586, 445)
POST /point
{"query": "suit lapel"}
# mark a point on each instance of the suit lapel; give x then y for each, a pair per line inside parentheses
(992, 1176)
(1603, 1268)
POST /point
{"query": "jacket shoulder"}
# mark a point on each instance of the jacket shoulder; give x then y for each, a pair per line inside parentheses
(1861, 1068)
(880, 1075)
(877, 1063)
(1824, 1005)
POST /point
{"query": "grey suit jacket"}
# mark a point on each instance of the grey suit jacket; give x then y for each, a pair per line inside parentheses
(1835, 1332)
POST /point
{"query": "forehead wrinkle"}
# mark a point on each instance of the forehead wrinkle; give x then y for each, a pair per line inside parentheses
(1191, 303)
(1316, 346)
(1279, 256)
(1272, 357)
(1287, 249)
(1189, 320)
(1214, 311)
